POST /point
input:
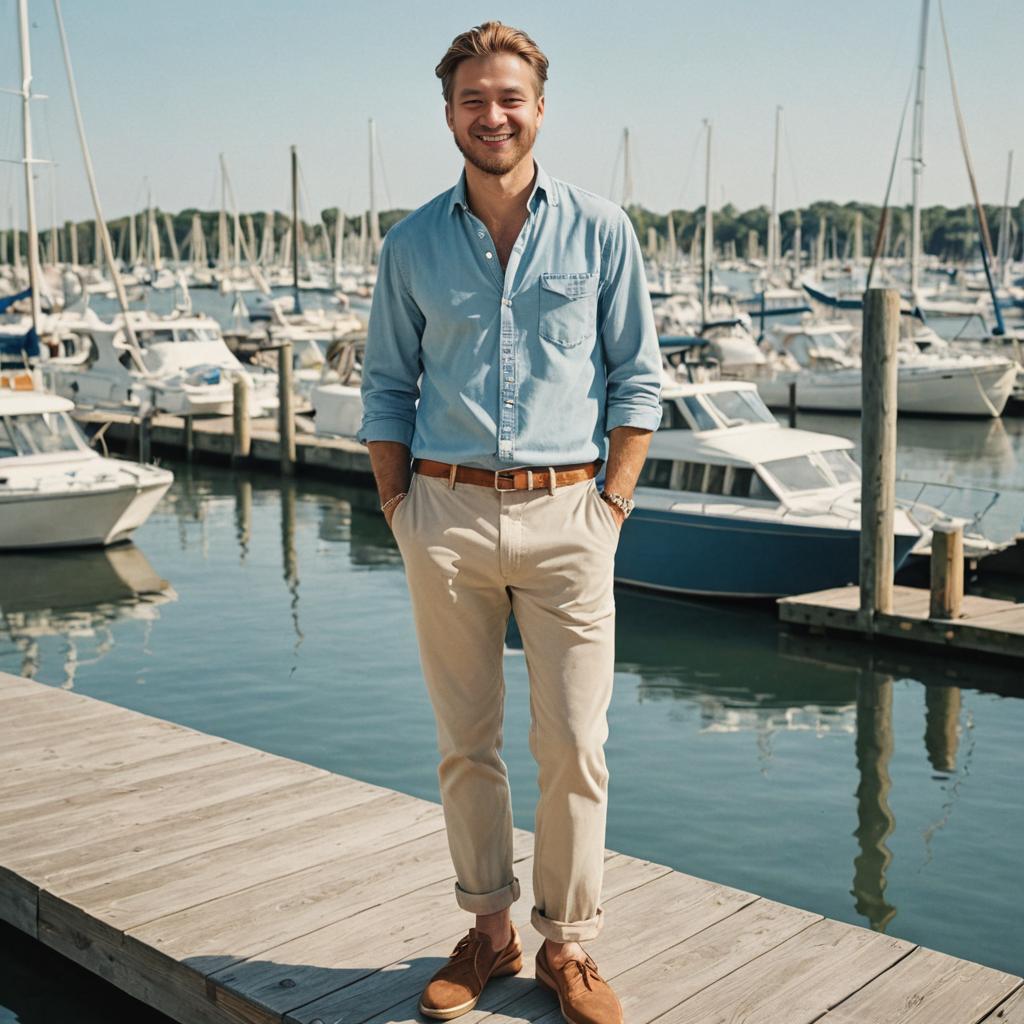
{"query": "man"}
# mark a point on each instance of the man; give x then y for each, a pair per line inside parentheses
(514, 308)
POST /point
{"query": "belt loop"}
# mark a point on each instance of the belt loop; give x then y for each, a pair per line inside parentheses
(451, 475)
(552, 483)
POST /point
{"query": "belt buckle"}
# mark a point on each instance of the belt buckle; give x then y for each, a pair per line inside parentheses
(500, 474)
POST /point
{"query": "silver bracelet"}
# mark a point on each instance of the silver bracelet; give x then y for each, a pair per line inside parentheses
(393, 497)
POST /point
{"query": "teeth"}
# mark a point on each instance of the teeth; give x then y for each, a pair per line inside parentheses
(495, 138)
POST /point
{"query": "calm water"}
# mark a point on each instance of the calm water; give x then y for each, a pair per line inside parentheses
(880, 788)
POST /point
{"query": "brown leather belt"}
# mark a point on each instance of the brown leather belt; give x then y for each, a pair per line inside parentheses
(526, 478)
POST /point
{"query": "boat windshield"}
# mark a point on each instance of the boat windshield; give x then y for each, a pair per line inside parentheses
(701, 416)
(41, 433)
(798, 474)
(179, 334)
(844, 469)
(740, 407)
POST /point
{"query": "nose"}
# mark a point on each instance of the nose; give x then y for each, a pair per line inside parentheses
(493, 116)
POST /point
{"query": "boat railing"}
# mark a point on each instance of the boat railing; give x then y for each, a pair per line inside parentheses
(987, 512)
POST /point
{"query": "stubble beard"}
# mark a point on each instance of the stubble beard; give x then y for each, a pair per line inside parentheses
(499, 164)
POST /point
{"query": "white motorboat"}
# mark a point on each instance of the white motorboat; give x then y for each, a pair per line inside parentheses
(181, 366)
(55, 491)
(821, 359)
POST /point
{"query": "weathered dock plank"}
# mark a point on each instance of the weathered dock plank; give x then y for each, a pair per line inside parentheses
(221, 885)
(985, 626)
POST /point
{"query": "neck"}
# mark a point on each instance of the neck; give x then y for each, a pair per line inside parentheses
(494, 197)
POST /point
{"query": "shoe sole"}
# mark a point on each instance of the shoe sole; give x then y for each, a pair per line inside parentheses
(514, 967)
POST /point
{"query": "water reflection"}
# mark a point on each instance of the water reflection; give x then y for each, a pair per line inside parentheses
(78, 595)
(875, 820)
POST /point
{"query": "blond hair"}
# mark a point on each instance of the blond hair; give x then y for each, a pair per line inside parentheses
(485, 40)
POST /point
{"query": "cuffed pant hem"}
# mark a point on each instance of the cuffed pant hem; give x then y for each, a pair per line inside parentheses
(563, 931)
(487, 902)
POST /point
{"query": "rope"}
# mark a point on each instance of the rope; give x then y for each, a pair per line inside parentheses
(888, 191)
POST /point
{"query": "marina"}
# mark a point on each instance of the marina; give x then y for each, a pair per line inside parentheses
(217, 884)
(218, 801)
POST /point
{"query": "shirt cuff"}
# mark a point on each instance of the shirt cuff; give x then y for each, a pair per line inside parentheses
(386, 428)
(642, 417)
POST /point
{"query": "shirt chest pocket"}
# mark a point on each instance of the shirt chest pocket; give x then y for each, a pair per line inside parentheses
(568, 308)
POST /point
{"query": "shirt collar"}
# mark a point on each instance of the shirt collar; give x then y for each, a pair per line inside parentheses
(541, 186)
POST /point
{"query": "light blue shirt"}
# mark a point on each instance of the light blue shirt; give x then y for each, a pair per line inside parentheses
(530, 367)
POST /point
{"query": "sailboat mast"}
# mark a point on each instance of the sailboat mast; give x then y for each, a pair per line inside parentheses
(705, 299)
(295, 226)
(627, 171)
(100, 224)
(34, 274)
(917, 157)
(1004, 226)
(773, 223)
(374, 219)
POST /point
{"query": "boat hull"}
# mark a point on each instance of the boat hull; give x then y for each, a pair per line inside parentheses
(981, 391)
(722, 556)
(77, 519)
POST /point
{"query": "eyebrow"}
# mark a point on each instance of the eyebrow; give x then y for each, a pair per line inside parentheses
(463, 93)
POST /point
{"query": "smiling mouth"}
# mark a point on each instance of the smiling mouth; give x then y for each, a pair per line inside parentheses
(503, 137)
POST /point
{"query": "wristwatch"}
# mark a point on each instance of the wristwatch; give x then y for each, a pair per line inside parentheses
(625, 504)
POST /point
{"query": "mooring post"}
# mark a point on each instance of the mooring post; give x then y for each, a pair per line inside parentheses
(189, 439)
(947, 567)
(285, 417)
(241, 442)
(878, 451)
(792, 403)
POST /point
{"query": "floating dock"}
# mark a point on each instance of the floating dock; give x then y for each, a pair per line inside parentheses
(984, 626)
(223, 885)
(211, 438)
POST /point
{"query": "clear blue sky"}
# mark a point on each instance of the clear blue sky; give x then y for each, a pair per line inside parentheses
(166, 87)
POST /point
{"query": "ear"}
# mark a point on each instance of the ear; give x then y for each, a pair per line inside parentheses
(540, 111)
(448, 116)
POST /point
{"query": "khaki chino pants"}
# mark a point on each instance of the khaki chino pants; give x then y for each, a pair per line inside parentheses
(472, 555)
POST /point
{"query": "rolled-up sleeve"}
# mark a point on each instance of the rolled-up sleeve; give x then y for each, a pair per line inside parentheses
(391, 365)
(628, 335)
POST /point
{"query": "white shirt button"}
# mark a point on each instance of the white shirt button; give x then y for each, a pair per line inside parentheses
(480, 234)
(489, 255)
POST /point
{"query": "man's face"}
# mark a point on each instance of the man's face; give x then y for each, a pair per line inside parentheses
(494, 112)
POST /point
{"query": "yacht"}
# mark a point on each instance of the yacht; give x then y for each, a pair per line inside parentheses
(56, 491)
(822, 360)
(181, 365)
(731, 504)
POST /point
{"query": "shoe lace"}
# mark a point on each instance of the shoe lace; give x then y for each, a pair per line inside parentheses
(465, 950)
(586, 970)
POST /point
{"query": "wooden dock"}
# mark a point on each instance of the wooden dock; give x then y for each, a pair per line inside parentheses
(984, 626)
(211, 438)
(219, 884)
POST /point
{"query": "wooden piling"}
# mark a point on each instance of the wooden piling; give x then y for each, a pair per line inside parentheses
(878, 448)
(241, 433)
(285, 416)
(792, 403)
(947, 571)
(189, 440)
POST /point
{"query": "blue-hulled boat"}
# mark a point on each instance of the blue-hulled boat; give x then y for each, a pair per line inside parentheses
(731, 504)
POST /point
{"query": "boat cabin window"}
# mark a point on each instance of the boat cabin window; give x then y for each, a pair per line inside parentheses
(42, 433)
(740, 407)
(798, 473)
(154, 337)
(7, 449)
(703, 419)
(704, 478)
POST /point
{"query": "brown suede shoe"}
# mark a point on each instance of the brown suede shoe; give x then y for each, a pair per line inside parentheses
(456, 987)
(584, 997)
